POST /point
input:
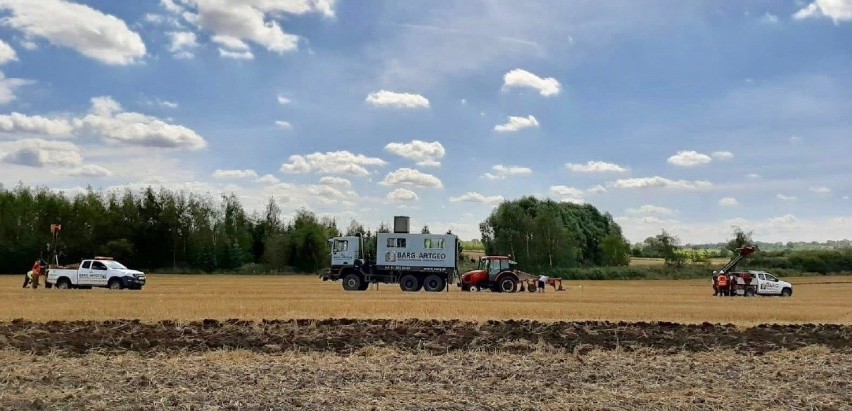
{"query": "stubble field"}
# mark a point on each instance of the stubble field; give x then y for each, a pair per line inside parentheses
(238, 342)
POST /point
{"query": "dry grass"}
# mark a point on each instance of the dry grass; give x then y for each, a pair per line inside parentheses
(383, 379)
(185, 297)
(660, 262)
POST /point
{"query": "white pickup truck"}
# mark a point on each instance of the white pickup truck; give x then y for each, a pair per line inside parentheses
(99, 272)
(760, 283)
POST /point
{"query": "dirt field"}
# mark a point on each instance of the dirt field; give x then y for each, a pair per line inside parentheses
(185, 298)
(287, 343)
(384, 379)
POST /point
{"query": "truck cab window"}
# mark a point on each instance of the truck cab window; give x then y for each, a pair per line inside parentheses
(770, 277)
(97, 265)
(341, 245)
(87, 264)
(761, 276)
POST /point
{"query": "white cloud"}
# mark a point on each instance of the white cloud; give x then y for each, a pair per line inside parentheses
(821, 190)
(567, 194)
(335, 181)
(8, 87)
(423, 153)
(408, 176)
(501, 172)
(659, 182)
(7, 53)
(267, 179)
(36, 152)
(783, 197)
(474, 197)
(94, 34)
(337, 162)
(729, 202)
(597, 189)
(722, 155)
(89, 170)
(769, 18)
(516, 123)
(402, 194)
(236, 55)
(649, 209)
(331, 195)
(284, 125)
(107, 120)
(836, 10)
(182, 43)
(234, 174)
(284, 100)
(384, 98)
(753, 176)
(596, 167)
(689, 159)
(235, 22)
(17, 123)
(522, 78)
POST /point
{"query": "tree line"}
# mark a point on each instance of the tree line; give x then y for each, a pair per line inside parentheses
(159, 230)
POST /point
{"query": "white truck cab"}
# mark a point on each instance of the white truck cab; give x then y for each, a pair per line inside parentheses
(345, 250)
(768, 284)
(97, 272)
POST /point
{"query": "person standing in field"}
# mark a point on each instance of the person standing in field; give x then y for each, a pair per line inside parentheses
(33, 275)
(722, 284)
(715, 283)
(542, 281)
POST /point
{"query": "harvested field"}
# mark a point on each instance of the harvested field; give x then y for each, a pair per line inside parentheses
(385, 379)
(344, 336)
(199, 297)
(600, 345)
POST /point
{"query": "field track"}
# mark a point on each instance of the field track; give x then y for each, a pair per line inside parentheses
(183, 298)
(348, 336)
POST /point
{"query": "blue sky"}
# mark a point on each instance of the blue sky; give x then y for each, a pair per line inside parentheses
(689, 116)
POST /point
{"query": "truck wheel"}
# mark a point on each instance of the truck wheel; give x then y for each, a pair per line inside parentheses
(63, 284)
(507, 284)
(115, 284)
(749, 292)
(434, 283)
(786, 292)
(465, 288)
(409, 283)
(352, 282)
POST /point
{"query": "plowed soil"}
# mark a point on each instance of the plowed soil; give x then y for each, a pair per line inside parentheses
(346, 336)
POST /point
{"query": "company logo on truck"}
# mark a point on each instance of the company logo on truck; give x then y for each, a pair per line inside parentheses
(391, 256)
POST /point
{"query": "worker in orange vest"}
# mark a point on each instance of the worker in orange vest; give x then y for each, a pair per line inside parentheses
(723, 284)
(33, 275)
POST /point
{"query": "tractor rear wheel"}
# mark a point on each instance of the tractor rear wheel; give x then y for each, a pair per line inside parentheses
(409, 283)
(434, 283)
(507, 284)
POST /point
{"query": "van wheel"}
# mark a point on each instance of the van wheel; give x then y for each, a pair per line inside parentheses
(434, 283)
(63, 284)
(786, 292)
(115, 284)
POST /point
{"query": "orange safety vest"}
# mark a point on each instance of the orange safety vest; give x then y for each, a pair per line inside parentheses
(723, 281)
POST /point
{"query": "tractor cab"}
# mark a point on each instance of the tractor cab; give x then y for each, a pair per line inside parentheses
(492, 272)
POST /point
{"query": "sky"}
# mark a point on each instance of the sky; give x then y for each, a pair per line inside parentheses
(693, 117)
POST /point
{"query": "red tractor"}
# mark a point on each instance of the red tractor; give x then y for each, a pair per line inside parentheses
(494, 273)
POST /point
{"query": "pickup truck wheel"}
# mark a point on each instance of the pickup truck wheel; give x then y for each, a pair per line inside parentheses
(115, 284)
(352, 282)
(749, 292)
(786, 292)
(63, 284)
(434, 283)
(409, 283)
